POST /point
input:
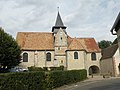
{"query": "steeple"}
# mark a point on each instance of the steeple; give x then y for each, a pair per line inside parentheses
(59, 21)
(59, 24)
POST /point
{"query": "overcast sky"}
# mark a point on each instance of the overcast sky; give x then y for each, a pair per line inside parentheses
(83, 18)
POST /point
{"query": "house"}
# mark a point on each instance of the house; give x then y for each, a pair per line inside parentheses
(56, 48)
(115, 30)
(110, 60)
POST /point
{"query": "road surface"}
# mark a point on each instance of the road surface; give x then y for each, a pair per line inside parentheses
(94, 84)
(110, 84)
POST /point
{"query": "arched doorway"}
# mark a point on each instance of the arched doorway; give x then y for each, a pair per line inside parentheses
(93, 70)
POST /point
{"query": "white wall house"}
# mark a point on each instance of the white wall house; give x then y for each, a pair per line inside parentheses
(115, 30)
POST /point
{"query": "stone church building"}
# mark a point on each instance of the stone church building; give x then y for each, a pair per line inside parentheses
(56, 48)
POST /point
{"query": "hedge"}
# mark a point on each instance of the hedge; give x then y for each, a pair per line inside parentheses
(32, 68)
(40, 80)
(60, 78)
(23, 81)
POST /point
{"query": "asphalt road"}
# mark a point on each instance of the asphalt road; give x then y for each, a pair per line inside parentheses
(107, 84)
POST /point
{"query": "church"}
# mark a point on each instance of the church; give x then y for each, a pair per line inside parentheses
(57, 48)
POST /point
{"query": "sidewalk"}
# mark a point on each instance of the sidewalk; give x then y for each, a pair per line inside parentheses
(85, 82)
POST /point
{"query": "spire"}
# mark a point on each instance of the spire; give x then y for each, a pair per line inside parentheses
(59, 24)
(59, 20)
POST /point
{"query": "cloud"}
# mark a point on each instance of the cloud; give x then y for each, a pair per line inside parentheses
(84, 18)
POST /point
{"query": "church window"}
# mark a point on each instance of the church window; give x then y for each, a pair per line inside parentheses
(48, 57)
(61, 38)
(25, 57)
(61, 61)
(75, 55)
(93, 56)
(58, 48)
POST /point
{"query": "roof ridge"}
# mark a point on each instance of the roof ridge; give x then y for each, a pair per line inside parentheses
(37, 32)
(85, 38)
(110, 46)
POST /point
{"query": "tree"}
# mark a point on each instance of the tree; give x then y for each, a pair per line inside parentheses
(104, 44)
(9, 51)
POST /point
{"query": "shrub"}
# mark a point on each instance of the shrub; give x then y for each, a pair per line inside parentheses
(60, 78)
(45, 68)
(23, 81)
(57, 68)
(32, 68)
(40, 80)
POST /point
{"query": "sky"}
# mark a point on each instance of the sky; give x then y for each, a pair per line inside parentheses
(83, 18)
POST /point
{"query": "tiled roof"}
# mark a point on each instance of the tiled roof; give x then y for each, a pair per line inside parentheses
(69, 39)
(35, 40)
(75, 45)
(89, 44)
(109, 51)
(45, 41)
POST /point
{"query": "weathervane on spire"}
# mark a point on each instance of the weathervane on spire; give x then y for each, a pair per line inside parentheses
(58, 9)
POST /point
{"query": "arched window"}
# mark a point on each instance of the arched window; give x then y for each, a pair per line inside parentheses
(75, 55)
(25, 57)
(93, 56)
(48, 57)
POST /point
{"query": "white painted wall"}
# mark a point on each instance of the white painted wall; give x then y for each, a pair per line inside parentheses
(118, 37)
(38, 59)
(89, 62)
(75, 63)
(107, 66)
(117, 61)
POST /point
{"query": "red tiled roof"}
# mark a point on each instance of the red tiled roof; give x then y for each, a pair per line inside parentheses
(75, 45)
(89, 44)
(35, 40)
(69, 39)
(45, 41)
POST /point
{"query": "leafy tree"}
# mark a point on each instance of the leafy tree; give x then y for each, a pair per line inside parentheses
(104, 44)
(9, 51)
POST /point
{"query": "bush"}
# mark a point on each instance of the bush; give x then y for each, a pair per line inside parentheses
(23, 81)
(40, 80)
(60, 78)
(45, 68)
(61, 68)
(32, 68)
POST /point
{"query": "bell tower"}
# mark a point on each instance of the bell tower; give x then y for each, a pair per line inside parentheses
(60, 41)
